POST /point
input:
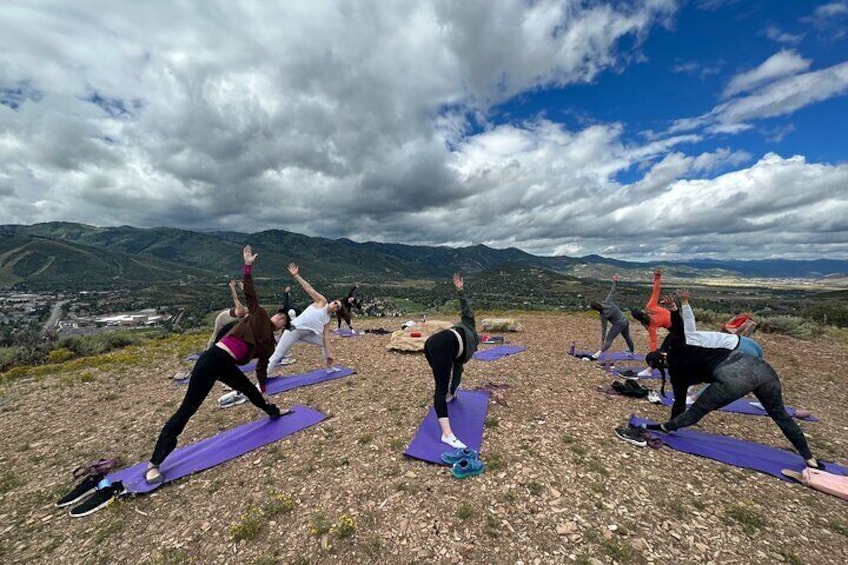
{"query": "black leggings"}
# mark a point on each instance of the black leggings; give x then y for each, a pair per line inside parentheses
(735, 377)
(213, 364)
(441, 350)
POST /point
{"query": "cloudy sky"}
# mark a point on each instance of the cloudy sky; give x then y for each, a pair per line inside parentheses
(635, 129)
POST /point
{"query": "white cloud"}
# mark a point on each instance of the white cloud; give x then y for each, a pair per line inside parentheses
(782, 64)
(780, 36)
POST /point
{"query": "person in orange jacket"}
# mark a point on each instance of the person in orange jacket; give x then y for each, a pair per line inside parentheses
(653, 316)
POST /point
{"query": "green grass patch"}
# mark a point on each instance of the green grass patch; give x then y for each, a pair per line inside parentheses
(751, 520)
(248, 526)
(465, 511)
(838, 527)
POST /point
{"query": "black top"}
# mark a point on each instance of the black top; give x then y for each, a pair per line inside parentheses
(688, 364)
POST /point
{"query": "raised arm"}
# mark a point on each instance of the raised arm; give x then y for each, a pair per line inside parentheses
(236, 302)
(686, 313)
(611, 296)
(249, 290)
(653, 301)
(316, 296)
(287, 299)
(465, 311)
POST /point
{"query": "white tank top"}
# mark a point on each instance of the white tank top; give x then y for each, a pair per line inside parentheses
(313, 319)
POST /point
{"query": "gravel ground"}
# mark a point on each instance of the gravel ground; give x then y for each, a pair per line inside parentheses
(559, 487)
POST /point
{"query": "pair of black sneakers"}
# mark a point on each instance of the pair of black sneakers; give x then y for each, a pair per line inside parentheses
(98, 493)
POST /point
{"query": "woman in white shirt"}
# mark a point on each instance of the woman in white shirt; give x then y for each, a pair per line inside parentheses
(311, 326)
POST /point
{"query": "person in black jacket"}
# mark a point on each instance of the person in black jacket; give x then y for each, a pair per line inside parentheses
(731, 373)
(447, 352)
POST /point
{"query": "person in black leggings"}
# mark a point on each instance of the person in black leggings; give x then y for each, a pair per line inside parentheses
(446, 352)
(252, 337)
(731, 373)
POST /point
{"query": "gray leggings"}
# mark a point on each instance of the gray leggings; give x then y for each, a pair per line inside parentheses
(615, 329)
(735, 377)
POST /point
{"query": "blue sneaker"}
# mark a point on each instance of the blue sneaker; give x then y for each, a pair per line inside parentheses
(457, 455)
(467, 468)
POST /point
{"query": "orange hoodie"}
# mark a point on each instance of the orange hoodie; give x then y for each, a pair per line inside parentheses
(660, 317)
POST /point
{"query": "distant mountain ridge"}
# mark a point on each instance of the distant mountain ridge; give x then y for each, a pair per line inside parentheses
(55, 253)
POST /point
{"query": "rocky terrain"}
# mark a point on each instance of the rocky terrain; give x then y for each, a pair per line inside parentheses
(559, 488)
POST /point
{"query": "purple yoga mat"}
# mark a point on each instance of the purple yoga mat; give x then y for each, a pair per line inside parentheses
(746, 454)
(346, 332)
(277, 385)
(496, 353)
(612, 355)
(467, 414)
(212, 451)
(743, 406)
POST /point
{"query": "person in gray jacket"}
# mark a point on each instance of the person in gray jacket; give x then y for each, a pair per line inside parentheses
(609, 311)
(447, 352)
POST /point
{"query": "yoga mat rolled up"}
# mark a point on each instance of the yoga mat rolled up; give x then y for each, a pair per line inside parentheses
(737, 452)
(209, 452)
(467, 415)
(498, 352)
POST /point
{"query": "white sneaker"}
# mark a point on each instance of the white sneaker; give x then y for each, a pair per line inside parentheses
(333, 369)
(286, 361)
(231, 399)
(654, 397)
(450, 398)
(452, 441)
(645, 373)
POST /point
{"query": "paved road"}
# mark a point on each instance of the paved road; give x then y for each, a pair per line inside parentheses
(55, 315)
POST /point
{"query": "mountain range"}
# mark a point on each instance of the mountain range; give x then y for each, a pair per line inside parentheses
(62, 255)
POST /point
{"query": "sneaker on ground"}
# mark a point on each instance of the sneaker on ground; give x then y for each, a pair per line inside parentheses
(450, 397)
(457, 455)
(100, 499)
(80, 491)
(286, 361)
(230, 399)
(631, 435)
(467, 468)
(645, 373)
(654, 397)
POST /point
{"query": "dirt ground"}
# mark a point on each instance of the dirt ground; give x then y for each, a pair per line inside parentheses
(559, 488)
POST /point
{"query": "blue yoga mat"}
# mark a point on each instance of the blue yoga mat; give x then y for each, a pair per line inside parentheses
(746, 454)
(498, 352)
(467, 414)
(213, 451)
(743, 406)
(283, 383)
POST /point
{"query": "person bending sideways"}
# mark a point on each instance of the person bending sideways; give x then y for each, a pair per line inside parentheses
(447, 352)
(253, 337)
(731, 373)
(609, 311)
(312, 326)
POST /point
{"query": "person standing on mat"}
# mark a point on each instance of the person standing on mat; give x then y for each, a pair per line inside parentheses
(311, 326)
(731, 374)
(609, 311)
(252, 337)
(447, 352)
(653, 316)
(226, 320)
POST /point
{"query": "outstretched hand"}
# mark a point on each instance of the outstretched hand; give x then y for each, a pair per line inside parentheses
(293, 269)
(657, 271)
(233, 284)
(683, 293)
(457, 281)
(615, 276)
(249, 255)
(668, 302)
(288, 289)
